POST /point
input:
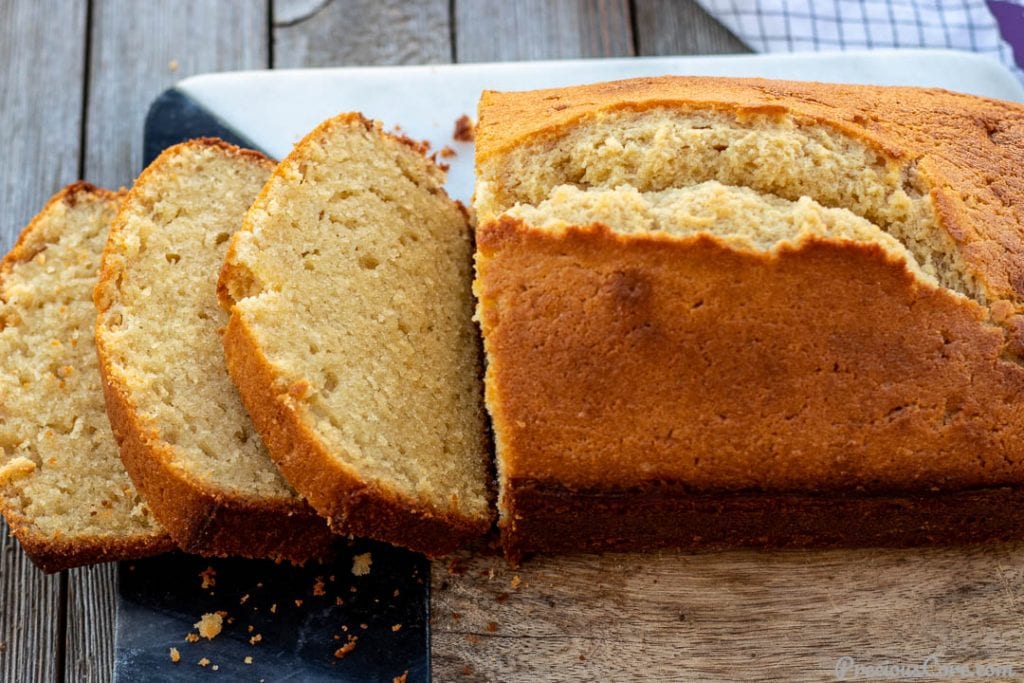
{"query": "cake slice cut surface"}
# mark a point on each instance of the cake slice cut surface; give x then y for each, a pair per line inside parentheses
(185, 437)
(63, 488)
(352, 342)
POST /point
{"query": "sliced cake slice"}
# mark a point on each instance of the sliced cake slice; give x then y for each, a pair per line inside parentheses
(63, 489)
(185, 437)
(352, 342)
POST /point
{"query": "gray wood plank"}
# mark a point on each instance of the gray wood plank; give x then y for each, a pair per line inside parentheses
(30, 628)
(681, 27)
(310, 33)
(138, 50)
(89, 642)
(40, 134)
(496, 30)
(40, 105)
(141, 48)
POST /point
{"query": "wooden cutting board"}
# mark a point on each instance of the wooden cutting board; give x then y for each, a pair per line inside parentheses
(730, 616)
(672, 616)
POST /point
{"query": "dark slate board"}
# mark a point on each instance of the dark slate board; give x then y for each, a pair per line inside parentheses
(160, 599)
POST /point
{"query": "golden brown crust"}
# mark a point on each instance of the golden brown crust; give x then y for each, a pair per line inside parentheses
(57, 554)
(351, 505)
(202, 520)
(822, 367)
(53, 554)
(966, 149)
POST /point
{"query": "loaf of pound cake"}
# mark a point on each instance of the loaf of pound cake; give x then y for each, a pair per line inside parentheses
(752, 313)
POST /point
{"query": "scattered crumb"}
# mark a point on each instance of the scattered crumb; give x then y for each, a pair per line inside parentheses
(175, 655)
(516, 581)
(331, 578)
(465, 131)
(204, 662)
(347, 647)
(173, 65)
(456, 567)
(209, 577)
(337, 637)
(361, 564)
(467, 670)
(192, 637)
(273, 608)
(501, 597)
(492, 627)
(396, 628)
(259, 585)
(446, 152)
(210, 625)
(472, 638)
(247, 660)
(338, 601)
(490, 574)
(583, 658)
(344, 628)
(250, 628)
(244, 599)
(395, 594)
(401, 679)
(364, 626)
(255, 639)
(318, 586)
(456, 616)
(215, 667)
(298, 603)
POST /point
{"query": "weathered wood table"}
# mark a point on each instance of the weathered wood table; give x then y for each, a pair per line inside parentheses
(75, 81)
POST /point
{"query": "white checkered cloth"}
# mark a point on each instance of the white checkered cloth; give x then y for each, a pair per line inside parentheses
(810, 25)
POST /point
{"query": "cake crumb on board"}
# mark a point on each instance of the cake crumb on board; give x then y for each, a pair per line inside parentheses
(209, 577)
(361, 564)
(347, 647)
(210, 625)
(175, 655)
(204, 662)
(247, 660)
(402, 678)
(465, 131)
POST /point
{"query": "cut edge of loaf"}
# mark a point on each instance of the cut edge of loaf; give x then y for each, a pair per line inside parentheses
(55, 553)
(202, 519)
(743, 218)
(897, 175)
(351, 504)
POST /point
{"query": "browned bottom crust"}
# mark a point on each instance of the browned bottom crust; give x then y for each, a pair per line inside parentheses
(206, 522)
(54, 554)
(351, 505)
(541, 517)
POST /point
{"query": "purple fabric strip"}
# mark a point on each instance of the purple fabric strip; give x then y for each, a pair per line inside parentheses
(1010, 17)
